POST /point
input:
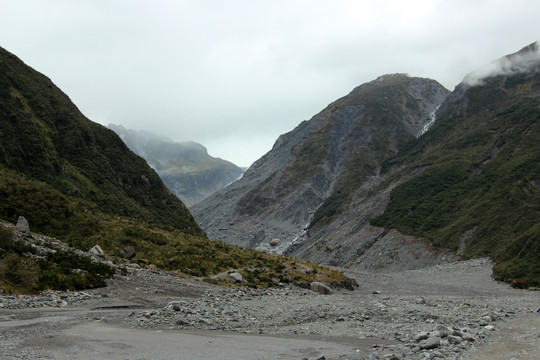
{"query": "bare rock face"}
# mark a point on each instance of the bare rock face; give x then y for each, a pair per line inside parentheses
(311, 174)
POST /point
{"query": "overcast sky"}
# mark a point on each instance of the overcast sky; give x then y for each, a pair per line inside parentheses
(234, 75)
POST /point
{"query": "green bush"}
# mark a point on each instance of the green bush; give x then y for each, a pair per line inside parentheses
(18, 273)
(6, 237)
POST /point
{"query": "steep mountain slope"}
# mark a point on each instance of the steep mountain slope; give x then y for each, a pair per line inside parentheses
(78, 182)
(354, 187)
(470, 184)
(479, 193)
(186, 168)
(308, 176)
(45, 137)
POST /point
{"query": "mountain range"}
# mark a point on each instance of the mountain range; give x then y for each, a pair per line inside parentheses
(398, 174)
(185, 167)
(401, 173)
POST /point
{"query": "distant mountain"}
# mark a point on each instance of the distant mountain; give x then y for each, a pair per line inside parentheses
(186, 168)
(364, 185)
(312, 173)
(477, 191)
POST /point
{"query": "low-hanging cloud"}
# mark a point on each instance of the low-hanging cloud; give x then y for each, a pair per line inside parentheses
(517, 63)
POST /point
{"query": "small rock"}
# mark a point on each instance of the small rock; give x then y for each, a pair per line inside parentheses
(420, 300)
(274, 242)
(430, 343)
(422, 335)
(96, 250)
(236, 277)
(453, 339)
(374, 356)
(174, 305)
(22, 225)
(321, 288)
(128, 252)
(443, 330)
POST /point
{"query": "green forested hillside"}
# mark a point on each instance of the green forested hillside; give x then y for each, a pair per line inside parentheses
(76, 180)
(479, 191)
(44, 136)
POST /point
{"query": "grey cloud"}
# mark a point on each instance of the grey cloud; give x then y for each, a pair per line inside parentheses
(234, 75)
(519, 62)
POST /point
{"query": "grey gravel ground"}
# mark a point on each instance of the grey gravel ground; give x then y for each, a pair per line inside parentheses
(453, 311)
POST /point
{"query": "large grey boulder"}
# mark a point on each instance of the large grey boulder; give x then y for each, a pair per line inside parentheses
(22, 225)
(321, 288)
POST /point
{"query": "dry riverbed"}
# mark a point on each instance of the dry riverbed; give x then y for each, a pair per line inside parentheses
(453, 311)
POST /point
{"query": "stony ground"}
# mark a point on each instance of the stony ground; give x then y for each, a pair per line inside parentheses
(453, 311)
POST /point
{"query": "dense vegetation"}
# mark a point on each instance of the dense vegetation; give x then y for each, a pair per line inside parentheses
(81, 225)
(76, 181)
(44, 136)
(480, 187)
(23, 269)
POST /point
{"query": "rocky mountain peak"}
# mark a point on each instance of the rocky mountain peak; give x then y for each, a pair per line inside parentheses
(287, 190)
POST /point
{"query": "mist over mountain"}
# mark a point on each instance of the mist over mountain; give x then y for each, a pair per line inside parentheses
(185, 167)
(373, 182)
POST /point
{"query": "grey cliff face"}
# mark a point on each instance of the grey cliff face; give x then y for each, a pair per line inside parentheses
(308, 170)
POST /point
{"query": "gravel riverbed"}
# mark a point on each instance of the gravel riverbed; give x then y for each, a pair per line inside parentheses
(452, 311)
